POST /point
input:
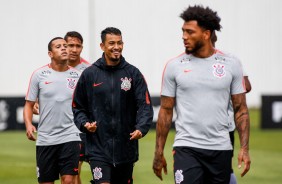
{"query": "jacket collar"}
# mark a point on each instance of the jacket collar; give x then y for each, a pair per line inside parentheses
(101, 63)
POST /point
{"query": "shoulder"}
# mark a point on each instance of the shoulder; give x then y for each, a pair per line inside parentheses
(82, 60)
(181, 58)
(176, 62)
(227, 57)
(89, 71)
(43, 70)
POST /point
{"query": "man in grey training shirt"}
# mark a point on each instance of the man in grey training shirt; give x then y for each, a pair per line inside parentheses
(75, 45)
(199, 83)
(57, 143)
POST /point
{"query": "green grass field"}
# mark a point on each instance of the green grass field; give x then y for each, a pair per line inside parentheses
(17, 158)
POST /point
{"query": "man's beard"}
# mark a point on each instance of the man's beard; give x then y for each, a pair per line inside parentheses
(198, 46)
(115, 59)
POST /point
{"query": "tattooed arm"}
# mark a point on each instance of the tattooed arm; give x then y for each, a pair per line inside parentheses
(162, 129)
(242, 121)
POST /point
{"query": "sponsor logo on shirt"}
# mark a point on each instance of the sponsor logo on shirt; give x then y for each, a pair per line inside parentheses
(126, 83)
(219, 59)
(82, 68)
(47, 82)
(46, 72)
(187, 71)
(185, 60)
(97, 84)
(73, 74)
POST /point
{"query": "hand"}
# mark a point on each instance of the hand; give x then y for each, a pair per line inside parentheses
(30, 132)
(159, 163)
(91, 127)
(35, 108)
(136, 135)
(245, 157)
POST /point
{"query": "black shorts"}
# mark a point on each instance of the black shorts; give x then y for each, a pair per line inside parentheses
(82, 155)
(105, 172)
(201, 166)
(55, 160)
(232, 139)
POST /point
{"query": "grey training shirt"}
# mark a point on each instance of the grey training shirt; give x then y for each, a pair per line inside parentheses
(202, 88)
(54, 91)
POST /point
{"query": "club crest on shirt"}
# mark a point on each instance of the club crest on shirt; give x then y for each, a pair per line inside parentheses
(71, 83)
(178, 176)
(126, 83)
(219, 70)
(97, 173)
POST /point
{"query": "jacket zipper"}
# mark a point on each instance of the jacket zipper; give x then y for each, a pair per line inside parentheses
(113, 118)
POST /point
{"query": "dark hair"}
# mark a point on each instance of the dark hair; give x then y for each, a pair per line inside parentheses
(205, 17)
(109, 30)
(50, 43)
(213, 38)
(73, 34)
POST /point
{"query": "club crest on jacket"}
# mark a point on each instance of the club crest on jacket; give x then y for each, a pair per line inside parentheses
(126, 83)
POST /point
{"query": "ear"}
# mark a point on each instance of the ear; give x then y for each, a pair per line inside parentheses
(102, 46)
(50, 54)
(207, 34)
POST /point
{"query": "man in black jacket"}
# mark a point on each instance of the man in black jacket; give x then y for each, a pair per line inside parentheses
(112, 105)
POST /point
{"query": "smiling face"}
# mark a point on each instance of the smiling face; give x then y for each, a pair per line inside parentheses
(112, 47)
(59, 51)
(194, 37)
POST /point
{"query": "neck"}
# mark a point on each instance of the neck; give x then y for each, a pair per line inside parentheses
(59, 66)
(205, 52)
(73, 63)
(109, 62)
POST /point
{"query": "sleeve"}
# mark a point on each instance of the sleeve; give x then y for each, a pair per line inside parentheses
(79, 104)
(168, 87)
(238, 82)
(245, 74)
(145, 112)
(33, 88)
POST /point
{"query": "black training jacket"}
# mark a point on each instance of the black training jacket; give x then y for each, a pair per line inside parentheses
(117, 98)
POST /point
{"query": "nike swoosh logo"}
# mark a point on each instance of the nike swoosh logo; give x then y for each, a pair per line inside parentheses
(186, 71)
(46, 82)
(97, 84)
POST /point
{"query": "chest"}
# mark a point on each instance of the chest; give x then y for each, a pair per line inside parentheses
(112, 82)
(205, 75)
(57, 85)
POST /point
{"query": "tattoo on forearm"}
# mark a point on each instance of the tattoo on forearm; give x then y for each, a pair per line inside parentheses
(164, 122)
(242, 120)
